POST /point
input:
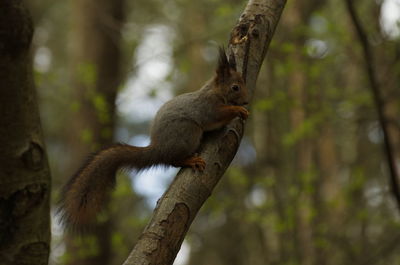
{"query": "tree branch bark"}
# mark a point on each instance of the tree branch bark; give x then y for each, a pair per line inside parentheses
(175, 211)
(378, 100)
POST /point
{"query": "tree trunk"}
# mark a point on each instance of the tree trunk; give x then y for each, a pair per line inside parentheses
(24, 171)
(376, 91)
(175, 211)
(299, 13)
(95, 72)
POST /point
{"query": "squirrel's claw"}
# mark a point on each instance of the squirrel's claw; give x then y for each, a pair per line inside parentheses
(243, 113)
(196, 163)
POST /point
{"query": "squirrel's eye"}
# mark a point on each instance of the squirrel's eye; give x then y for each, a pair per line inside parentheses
(235, 88)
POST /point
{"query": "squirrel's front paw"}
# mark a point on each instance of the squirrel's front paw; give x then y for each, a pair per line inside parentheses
(243, 112)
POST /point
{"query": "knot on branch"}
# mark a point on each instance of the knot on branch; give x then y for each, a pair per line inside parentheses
(245, 27)
(23, 201)
(33, 156)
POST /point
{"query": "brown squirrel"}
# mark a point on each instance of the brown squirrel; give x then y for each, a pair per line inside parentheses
(175, 137)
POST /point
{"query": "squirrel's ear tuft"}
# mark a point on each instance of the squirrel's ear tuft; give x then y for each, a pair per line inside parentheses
(223, 64)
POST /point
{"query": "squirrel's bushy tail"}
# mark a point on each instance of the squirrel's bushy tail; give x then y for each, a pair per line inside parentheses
(88, 190)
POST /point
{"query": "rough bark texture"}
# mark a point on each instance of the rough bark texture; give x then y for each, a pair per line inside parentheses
(24, 172)
(96, 76)
(175, 211)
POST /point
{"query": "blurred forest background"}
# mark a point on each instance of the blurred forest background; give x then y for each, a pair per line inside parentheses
(310, 183)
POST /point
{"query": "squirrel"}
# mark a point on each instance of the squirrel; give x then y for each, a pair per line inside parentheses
(175, 134)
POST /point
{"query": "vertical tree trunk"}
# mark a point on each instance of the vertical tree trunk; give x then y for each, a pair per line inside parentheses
(194, 31)
(328, 202)
(24, 171)
(302, 160)
(299, 13)
(376, 91)
(96, 76)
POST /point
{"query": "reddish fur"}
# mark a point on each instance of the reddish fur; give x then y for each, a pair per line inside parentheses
(88, 190)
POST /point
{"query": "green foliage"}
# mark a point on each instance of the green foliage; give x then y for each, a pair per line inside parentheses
(87, 74)
(75, 106)
(307, 128)
(278, 100)
(86, 136)
(102, 109)
(86, 246)
(238, 177)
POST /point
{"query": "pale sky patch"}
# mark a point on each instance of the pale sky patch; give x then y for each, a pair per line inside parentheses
(390, 18)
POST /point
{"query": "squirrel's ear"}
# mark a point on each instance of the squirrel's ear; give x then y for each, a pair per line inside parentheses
(223, 65)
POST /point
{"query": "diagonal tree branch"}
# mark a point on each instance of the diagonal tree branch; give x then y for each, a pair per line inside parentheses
(378, 99)
(175, 211)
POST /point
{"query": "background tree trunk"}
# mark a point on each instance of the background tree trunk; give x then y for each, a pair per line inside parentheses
(380, 104)
(96, 76)
(301, 98)
(175, 211)
(24, 172)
